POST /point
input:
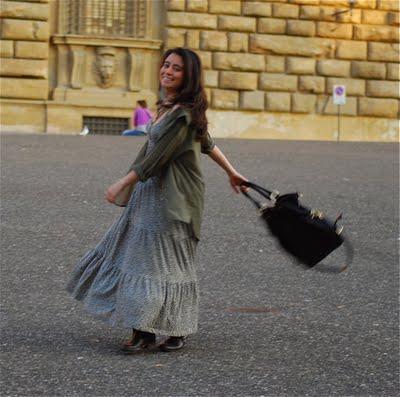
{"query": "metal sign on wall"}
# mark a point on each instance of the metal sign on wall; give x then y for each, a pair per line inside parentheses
(339, 94)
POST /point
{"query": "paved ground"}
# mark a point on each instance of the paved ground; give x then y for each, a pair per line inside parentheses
(319, 335)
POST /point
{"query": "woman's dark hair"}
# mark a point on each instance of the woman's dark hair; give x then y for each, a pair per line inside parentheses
(192, 95)
(142, 103)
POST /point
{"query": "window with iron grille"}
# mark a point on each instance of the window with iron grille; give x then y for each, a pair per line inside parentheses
(106, 125)
(105, 17)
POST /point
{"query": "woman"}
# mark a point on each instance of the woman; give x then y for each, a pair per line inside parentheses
(140, 119)
(142, 274)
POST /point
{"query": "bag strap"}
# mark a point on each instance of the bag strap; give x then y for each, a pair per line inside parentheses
(253, 200)
(259, 189)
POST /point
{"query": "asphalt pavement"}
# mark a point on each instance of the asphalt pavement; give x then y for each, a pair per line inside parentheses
(267, 326)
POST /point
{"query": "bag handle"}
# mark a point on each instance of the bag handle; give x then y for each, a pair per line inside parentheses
(259, 189)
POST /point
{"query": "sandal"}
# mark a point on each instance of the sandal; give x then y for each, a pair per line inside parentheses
(140, 340)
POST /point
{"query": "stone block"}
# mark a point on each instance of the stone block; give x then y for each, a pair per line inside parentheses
(383, 52)
(376, 33)
(393, 71)
(23, 68)
(285, 11)
(175, 37)
(243, 24)
(197, 5)
(19, 29)
(304, 103)
(238, 80)
(312, 84)
(238, 42)
(351, 50)
(325, 105)
(378, 107)
(368, 70)
(6, 48)
(206, 59)
(211, 78)
(236, 61)
(388, 5)
(374, 17)
(333, 67)
(292, 45)
(208, 94)
(277, 82)
(366, 4)
(24, 88)
(277, 101)
(230, 7)
(193, 20)
(176, 5)
(335, 30)
(330, 14)
(193, 39)
(271, 25)
(212, 41)
(347, 17)
(336, 3)
(383, 89)
(302, 2)
(302, 65)
(225, 99)
(274, 64)
(354, 87)
(317, 13)
(257, 9)
(393, 18)
(252, 100)
(31, 50)
(24, 10)
(300, 28)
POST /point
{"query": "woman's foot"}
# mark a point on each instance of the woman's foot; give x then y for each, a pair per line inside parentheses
(173, 343)
(141, 340)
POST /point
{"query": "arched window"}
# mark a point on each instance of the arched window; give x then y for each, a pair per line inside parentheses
(105, 17)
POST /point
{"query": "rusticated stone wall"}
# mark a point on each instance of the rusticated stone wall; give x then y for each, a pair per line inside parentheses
(24, 49)
(284, 56)
(53, 77)
(270, 66)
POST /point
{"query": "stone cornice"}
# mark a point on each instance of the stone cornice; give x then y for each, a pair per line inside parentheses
(107, 41)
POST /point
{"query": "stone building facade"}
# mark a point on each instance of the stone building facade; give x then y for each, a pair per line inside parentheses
(269, 65)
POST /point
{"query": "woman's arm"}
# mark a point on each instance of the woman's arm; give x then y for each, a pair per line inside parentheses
(235, 178)
(111, 193)
(148, 165)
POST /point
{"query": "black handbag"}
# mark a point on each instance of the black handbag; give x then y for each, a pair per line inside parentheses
(304, 233)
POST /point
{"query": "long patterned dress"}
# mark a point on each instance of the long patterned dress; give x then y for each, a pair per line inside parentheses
(142, 273)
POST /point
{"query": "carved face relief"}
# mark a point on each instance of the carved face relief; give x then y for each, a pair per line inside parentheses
(105, 66)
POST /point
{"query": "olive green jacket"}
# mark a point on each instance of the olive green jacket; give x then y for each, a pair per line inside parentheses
(176, 160)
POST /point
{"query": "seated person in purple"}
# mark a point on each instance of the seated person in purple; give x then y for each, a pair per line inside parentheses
(140, 119)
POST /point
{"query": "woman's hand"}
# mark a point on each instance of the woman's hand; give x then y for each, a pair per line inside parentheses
(235, 180)
(112, 192)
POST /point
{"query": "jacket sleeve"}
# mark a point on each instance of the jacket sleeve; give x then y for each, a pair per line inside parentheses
(163, 152)
(207, 144)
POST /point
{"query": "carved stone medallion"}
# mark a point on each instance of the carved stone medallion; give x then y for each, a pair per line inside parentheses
(105, 66)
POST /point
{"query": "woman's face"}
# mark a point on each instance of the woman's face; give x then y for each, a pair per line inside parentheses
(171, 74)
